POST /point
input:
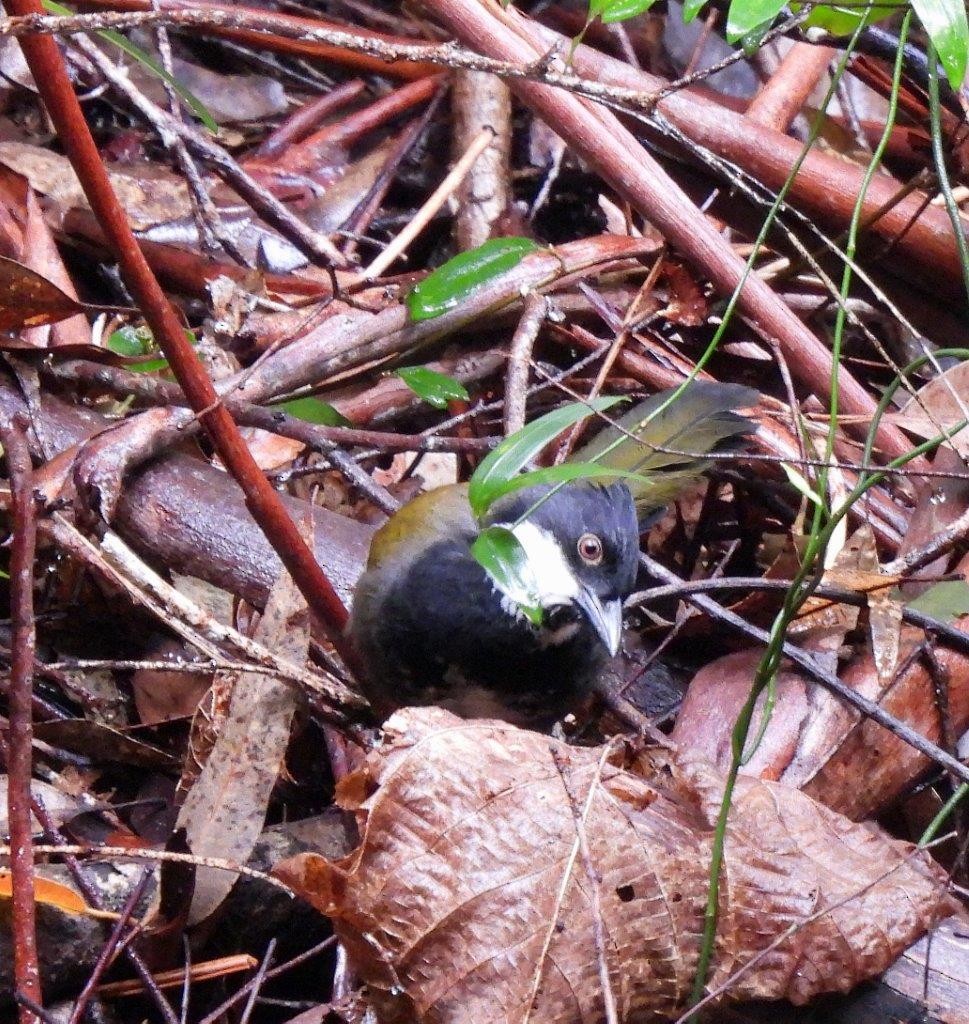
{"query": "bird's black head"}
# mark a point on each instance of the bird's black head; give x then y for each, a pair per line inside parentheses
(581, 542)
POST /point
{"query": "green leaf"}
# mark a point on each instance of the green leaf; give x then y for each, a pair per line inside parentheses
(945, 23)
(498, 551)
(446, 287)
(945, 601)
(691, 9)
(515, 452)
(131, 342)
(611, 11)
(435, 388)
(562, 474)
(148, 366)
(135, 343)
(135, 52)
(746, 15)
(800, 484)
(842, 21)
(313, 410)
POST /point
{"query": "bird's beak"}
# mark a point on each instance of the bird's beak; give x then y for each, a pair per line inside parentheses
(606, 618)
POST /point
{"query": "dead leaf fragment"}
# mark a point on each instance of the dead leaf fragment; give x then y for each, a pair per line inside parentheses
(28, 299)
(467, 901)
(225, 809)
(54, 894)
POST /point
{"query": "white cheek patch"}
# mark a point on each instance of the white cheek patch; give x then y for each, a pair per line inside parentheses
(547, 579)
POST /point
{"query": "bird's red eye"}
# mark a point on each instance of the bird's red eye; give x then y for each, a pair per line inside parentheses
(590, 548)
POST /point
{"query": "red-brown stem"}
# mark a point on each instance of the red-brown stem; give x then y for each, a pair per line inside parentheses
(297, 40)
(26, 971)
(47, 67)
(306, 119)
(789, 87)
(363, 121)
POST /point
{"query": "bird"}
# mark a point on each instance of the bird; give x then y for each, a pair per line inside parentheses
(431, 627)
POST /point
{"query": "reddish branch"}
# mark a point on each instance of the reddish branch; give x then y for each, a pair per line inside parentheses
(47, 67)
(20, 736)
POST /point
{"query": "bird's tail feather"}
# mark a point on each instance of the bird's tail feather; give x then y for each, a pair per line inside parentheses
(668, 447)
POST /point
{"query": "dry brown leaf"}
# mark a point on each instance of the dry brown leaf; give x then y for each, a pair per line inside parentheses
(468, 901)
(225, 809)
(940, 404)
(857, 568)
(28, 299)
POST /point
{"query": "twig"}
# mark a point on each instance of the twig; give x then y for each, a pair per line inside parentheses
(219, 1011)
(951, 635)
(110, 949)
(305, 120)
(93, 899)
(595, 882)
(564, 885)
(19, 745)
(126, 571)
(519, 359)
(257, 982)
(162, 856)
(433, 203)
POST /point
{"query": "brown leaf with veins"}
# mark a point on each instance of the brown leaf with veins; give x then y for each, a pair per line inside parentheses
(468, 900)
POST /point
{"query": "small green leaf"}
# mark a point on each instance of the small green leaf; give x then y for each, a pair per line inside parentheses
(800, 484)
(945, 601)
(746, 15)
(131, 342)
(945, 23)
(498, 551)
(435, 388)
(446, 287)
(313, 410)
(135, 343)
(562, 474)
(515, 452)
(148, 366)
(611, 11)
(842, 21)
(135, 52)
(691, 9)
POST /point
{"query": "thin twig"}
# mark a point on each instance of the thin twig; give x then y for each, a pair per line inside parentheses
(110, 950)
(595, 884)
(19, 744)
(434, 202)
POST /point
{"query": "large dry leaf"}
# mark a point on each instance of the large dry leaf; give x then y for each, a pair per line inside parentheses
(470, 897)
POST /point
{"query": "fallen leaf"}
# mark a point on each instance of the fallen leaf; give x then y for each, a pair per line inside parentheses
(467, 898)
(940, 404)
(55, 895)
(29, 300)
(224, 811)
